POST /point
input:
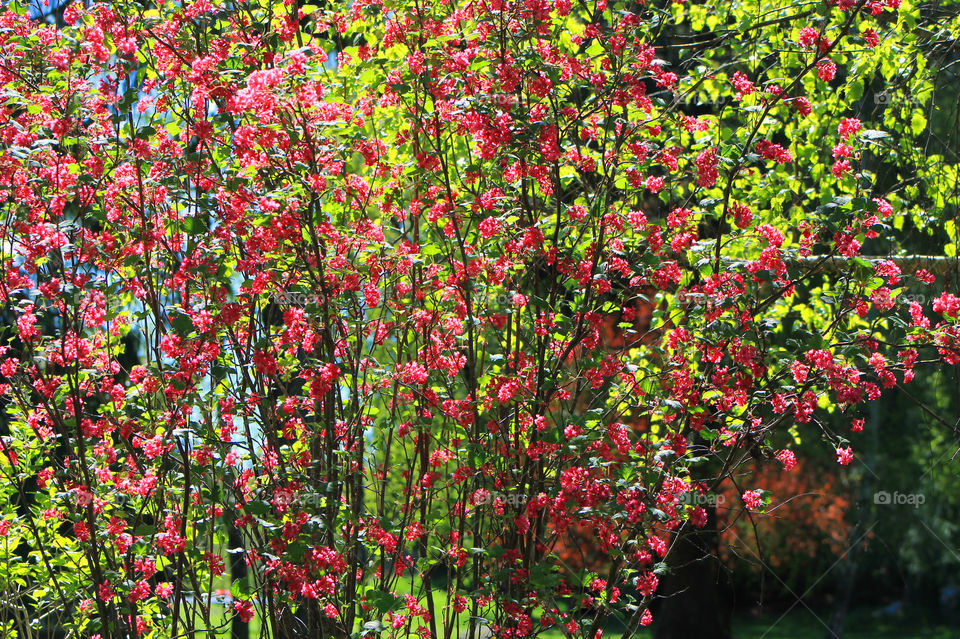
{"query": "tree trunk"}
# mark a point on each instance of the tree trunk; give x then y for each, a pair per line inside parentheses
(696, 597)
(238, 572)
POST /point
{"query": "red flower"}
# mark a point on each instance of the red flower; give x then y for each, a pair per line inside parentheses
(803, 106)
(742, 83)
(826, 70)
(265, 362)
(707, 173)
(788, 459)
(844, 455)
(841, 168)
(244, 610)
(753, 499)
(105, 592)
(848, 126)
(808, 37)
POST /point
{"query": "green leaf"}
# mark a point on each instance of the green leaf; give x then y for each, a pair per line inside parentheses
(384, 601)
(918, 123)
(257, 507)
(240, 589)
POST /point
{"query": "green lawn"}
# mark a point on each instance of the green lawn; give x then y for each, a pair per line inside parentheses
(861, 624)
(797, 624)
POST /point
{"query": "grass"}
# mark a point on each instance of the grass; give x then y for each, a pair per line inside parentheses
(796, 624)
(860, 624)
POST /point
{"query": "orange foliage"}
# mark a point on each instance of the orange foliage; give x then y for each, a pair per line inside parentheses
(805, 518)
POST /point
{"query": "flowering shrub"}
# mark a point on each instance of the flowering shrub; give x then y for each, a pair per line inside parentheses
(314, 301)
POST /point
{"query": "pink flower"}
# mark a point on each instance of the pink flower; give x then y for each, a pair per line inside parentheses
(371, 294)
(742, 215)
(549, 147)
(774, 152)
(883, 207)
(105, 591)
(265, 362)
(808, 37)
(489, 227)
(803, 106)
(27, 324)
(508, 391)
(140, 591)
(800, 371)
(847, 127)
(844, 455)
(707, 173)
(698, 517)
(753, 499)
(947, 304)
(413, 373)
(841, 168)
(153, 447)
(244, 610)
(841, 150)
(742, 83)
(82, 531)
(9, 367)
(646, 619)
(888, 269)
(926, 276)
(826, 70)
(647, 583)
(788, 459)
